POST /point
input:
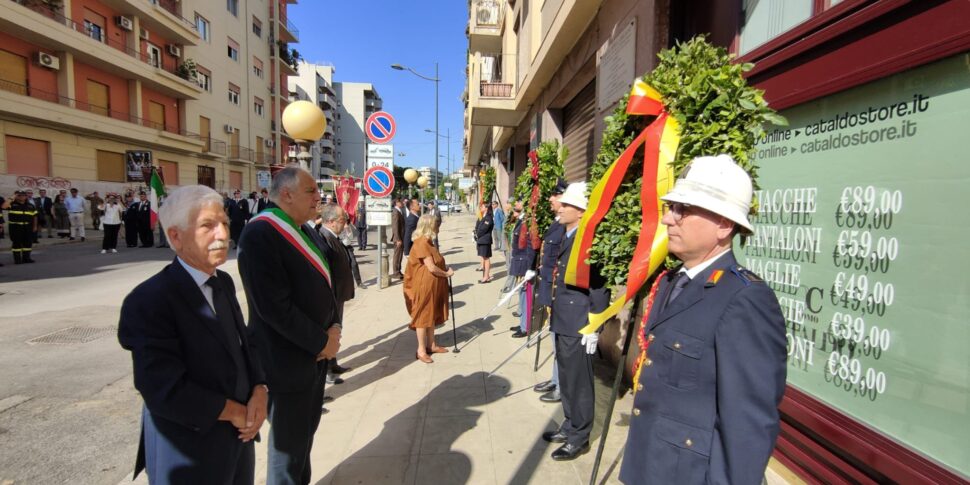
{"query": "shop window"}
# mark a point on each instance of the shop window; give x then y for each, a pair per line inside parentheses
(763, 20)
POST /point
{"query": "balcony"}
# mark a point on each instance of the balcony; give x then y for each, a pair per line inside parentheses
(44, 108)
(161, 16)
(241, 154)
(485, 25)
(287, 61)
(326, 143)
(491, 99)
(214, 147)
(288, 31)
(53, 32)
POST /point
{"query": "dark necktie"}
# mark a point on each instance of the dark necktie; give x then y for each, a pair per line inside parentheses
(678, 284)
(231, 328)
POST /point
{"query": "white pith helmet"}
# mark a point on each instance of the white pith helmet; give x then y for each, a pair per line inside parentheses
(575, 195)
(718, 185)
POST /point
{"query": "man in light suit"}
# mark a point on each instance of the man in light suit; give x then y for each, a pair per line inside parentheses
(293, 319)
(571, 307)
(397, 236)
(713, 373)
(203, 385)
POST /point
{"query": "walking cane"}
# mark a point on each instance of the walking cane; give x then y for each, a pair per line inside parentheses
(454, 331)
(616, 387)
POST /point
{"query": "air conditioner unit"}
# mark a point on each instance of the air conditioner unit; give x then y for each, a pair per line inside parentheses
(48, 60)
(174, 50)
(125, 23)
(270, 143)
(229, 129)
(143, 34)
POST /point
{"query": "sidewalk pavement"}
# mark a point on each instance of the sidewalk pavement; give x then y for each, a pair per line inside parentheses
(399, 421)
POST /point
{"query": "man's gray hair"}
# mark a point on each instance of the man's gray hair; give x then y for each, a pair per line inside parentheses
(287, 178)
(184, 202)
(331, 212)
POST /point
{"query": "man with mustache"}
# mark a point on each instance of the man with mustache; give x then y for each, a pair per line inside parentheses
(293, 318)
(202, 382)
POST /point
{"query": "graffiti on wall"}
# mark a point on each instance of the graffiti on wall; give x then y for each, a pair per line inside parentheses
(56, 183)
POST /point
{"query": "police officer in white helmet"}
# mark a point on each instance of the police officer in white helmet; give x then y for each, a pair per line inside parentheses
(713, 374)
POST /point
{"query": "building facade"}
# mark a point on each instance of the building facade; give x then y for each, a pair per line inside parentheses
(91, 91)
(314, 83)
(875, 94)
(357, 102)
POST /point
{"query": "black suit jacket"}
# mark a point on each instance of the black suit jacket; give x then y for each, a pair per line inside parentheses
(261, 204)
(181, 360)
(409, 226)
(238, 211)
(483, 229)
(339, 258)
(130, 216)
(144, 214)
(572, 305)
(45, 206)
(291, 306)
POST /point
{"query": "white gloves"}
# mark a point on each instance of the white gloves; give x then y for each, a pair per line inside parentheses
(590, 341)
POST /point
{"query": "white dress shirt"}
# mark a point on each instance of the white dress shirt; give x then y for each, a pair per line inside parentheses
(200, 279)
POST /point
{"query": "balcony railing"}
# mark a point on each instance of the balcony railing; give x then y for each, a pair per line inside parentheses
(174, 7)
(121, 46)
(487, 13)
(214, 146)
(492, 82)
(237, 152)
(21, 89)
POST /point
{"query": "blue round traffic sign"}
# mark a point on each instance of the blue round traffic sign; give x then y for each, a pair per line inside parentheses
(378, 181)
(380, 127)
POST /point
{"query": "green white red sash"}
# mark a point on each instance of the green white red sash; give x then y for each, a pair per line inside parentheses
(292, 233)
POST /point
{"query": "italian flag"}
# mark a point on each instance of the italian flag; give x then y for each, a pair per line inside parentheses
(157, 192)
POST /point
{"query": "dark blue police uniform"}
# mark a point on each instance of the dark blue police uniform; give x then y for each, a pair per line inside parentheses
(706, 407)
(571, 307)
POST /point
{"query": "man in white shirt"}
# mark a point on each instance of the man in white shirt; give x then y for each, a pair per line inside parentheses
(75, 213)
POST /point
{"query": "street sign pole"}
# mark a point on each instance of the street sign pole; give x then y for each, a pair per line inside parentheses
(384, 276)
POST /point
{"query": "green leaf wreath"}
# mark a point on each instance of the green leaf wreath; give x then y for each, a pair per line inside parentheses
(717, 112)
(488, 185)
(551, 156)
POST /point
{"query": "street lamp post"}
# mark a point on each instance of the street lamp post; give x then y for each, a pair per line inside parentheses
(436, 80)
(447, 137)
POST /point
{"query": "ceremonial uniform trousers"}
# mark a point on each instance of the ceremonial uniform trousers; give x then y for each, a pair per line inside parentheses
(548, 258)
(20, 225)
(571, 307)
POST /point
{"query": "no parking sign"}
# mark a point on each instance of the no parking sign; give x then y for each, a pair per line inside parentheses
(379, 181)
(380, 127)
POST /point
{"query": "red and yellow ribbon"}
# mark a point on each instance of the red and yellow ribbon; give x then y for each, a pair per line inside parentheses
(659, 141)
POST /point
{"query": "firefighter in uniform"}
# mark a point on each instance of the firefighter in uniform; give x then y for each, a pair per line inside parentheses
(548, 256)
(712, 368)
(571, 307)
(21, 224)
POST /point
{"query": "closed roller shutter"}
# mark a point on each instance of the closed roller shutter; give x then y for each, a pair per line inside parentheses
(111, 166)
(579, 119)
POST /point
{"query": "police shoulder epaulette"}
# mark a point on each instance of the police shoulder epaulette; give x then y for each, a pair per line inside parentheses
(746, 275)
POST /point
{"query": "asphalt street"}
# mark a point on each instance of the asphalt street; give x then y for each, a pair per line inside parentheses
(68, 410)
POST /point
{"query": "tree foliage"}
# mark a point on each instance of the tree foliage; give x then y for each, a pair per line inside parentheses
(488, 184)
(551, 157)
(717, 112)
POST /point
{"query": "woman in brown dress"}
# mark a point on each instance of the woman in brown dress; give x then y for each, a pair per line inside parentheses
(426, 288)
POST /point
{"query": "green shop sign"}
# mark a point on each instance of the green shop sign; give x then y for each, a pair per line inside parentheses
(863, 232)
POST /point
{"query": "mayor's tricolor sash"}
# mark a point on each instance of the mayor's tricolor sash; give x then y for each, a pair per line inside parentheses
(659, 141)
(291, 232)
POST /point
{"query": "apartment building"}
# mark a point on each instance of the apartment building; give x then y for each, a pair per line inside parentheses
(539, 70)
(343, 147)
(314, 83)
(91, 90)
(357, 102)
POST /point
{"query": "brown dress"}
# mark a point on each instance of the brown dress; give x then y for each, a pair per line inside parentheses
(425, 294)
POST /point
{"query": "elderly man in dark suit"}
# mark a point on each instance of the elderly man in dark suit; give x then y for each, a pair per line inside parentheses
(711, 379)
(333, 220)
(293, 318)
(411, 223)
(571, 307)
(203, 386)
(398, 214)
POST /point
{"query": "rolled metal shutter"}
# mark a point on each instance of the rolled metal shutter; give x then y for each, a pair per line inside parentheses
(579, 120)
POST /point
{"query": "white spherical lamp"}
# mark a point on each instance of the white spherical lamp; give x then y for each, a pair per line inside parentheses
(304, 121)
(411, 175)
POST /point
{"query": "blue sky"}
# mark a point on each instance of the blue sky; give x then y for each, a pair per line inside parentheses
(363, 38)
